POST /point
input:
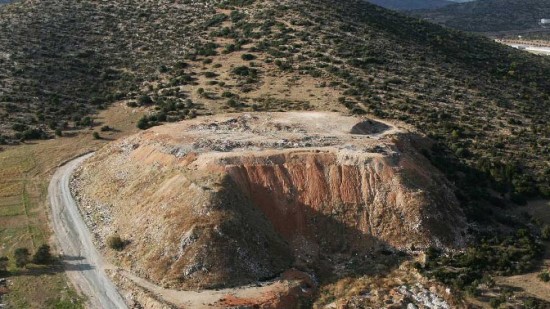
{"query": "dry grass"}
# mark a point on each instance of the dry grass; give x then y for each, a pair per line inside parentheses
(24, 177)
(273, 84)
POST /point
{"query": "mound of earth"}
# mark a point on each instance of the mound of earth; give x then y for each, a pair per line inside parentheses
(231, 199)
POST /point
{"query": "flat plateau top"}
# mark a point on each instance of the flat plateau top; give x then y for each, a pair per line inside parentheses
(263, 131)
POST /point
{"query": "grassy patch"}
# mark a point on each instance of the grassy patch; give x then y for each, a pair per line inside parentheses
(24, 179)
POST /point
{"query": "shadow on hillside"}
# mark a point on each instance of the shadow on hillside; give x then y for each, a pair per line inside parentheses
(368, 127)
(322, 244)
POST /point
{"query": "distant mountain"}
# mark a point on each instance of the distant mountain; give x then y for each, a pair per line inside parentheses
(411, 4)
(490, 15)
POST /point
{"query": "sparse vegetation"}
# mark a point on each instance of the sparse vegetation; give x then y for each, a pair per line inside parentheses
(510, 255)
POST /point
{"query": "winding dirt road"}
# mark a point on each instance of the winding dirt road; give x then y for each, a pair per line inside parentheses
(86, 268)
(84, 265)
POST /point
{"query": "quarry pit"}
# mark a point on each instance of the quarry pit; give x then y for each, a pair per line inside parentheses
(228, 200)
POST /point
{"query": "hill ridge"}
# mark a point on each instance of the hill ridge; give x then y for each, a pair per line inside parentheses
(484, 102)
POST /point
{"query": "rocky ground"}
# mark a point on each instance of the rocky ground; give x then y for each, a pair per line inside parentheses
(229, 200)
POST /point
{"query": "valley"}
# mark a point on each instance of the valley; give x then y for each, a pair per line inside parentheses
(534, 46)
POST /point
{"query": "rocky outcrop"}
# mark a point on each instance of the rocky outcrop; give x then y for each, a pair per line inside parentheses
(231, 199)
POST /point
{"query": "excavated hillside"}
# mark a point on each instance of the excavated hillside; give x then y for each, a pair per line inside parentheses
(231, 199)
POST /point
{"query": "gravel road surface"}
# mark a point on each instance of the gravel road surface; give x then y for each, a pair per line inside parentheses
(84, 265)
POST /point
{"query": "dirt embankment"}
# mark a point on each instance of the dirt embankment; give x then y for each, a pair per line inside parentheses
(233, 199)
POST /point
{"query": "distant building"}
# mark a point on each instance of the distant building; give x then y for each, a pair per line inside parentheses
(545, 21)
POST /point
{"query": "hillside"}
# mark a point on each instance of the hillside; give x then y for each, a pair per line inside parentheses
(491, 15)
(59, 65)
(484, 107)
(232, 199)
(410, 5)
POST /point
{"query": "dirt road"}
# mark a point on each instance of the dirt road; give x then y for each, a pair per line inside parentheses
(86, 268)
(84, 265)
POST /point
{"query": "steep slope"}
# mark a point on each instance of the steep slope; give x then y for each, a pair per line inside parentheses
(491, 15)
(206, 202)
(410, 5)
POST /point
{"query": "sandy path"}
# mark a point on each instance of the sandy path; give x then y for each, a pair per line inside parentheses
(205, 298)
(84, 265)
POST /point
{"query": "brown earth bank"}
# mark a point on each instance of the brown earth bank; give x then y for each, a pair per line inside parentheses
(232, 199)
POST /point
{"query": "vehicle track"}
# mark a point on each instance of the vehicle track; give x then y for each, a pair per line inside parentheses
(83, 263)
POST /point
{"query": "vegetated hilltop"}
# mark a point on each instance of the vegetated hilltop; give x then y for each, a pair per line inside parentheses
(410, 4)
(486, 103)
(60, 61)
(232, 199)
(491, 15)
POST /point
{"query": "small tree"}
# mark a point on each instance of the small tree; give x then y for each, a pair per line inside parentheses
(21, 256)
(145, 100)
(115, 242)
(96, 135)
(42, 255)
(143, 123)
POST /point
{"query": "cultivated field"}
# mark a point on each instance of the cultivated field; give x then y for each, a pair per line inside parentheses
(24, 175)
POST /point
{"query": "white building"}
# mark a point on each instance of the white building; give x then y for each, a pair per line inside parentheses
(545, 21)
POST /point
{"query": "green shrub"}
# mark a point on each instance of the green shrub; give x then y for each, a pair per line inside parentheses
(115, 242)
(544, 276)
(145, 100)
(21, 256)
(495, 302)
(244, 71)
(248, 57)
(42, 255)
(143, 123)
